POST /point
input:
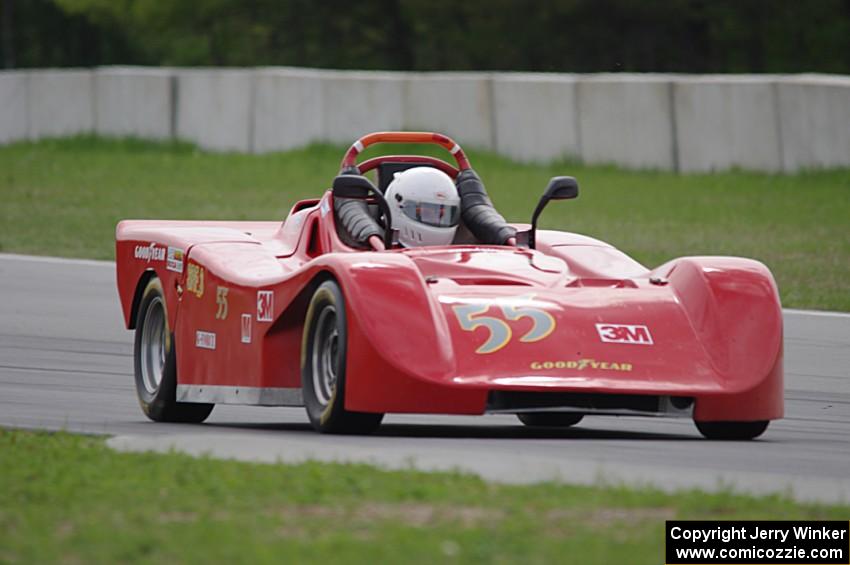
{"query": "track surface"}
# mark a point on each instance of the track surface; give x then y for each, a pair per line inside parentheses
(66, 363)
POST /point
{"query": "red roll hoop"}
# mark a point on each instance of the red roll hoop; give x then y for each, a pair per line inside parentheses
(444, 141)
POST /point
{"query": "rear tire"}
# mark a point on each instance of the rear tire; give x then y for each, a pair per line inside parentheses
(156, 363)
(732, 430)
(550, 419)
(323, 365)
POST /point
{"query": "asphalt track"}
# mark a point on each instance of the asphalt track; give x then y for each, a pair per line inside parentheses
(66, 363)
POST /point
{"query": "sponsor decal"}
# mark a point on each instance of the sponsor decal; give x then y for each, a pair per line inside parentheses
(195, 279)
(265, 305)
(624, 333)
(149, 252)
(246, 328)
(175, 260)
(471, 317)
(221, 301)
(204, 340)
(325, 208)
(581, 365)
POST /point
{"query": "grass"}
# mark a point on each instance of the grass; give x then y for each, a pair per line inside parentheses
(64, 197)
(70, 499)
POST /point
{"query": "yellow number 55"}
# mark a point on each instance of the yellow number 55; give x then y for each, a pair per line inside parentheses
(470, 317)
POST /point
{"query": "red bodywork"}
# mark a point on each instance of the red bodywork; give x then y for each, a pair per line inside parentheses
(440, 330)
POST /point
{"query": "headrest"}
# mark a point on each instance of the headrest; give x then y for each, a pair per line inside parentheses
(387, 171)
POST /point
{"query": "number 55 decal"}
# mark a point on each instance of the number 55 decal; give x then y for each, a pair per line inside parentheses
(470, 317)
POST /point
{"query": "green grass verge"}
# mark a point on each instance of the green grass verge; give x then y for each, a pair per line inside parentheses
(64, 197)
(70, 499)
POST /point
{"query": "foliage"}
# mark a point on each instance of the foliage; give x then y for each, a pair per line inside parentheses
(545, 35)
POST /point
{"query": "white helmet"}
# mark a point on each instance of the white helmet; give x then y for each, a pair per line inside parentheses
(425, 207)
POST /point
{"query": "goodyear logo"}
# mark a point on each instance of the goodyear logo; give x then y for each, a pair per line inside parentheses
(149, 253)
(582, 365)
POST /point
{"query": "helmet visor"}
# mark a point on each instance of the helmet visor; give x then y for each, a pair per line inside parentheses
(432, 214)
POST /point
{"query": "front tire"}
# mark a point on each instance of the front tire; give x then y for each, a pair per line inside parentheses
(550, 419)
(732, 430)
(323, 366)
(156, 363)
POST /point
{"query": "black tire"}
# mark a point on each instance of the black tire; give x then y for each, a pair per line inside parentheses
(732, 430)
(323, 364)
(550, 419)
(156, 363)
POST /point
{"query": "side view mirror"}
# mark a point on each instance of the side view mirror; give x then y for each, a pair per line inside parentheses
(559, 188)
(353, 186)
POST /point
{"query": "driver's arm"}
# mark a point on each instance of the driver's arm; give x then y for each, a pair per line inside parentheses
(354, 217)
(479, 214)
(377, 243)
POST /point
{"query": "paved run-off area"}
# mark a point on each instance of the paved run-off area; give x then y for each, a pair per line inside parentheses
(66, 363)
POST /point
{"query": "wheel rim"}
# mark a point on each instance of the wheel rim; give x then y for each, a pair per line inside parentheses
(154, 334)
(325, 356)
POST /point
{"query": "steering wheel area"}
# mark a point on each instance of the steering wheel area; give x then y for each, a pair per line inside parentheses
(350, 160)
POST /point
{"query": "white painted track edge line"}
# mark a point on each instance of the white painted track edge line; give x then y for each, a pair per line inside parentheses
(822, 313)
(100, 263)
(55, 260)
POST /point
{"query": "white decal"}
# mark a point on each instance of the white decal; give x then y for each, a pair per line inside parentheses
(246, 328)
(325, 208)
(149, 253)
(265, 305)
(175, 260)
(204, 340)
(624, 333)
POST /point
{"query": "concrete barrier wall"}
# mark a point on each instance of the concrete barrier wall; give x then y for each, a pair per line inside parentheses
(724, 122)
(287, 110)
(357, 103)
(14, 110)
(60, 103)
(668, 122)
(134, 101)
(215, 108)
(456, 104)
(535, 116)
(814, 121)
(627, 120)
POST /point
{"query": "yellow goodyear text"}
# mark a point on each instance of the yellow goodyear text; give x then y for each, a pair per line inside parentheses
(195, 279)
(582, 365)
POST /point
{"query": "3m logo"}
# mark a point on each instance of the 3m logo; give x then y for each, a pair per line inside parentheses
(622, 333)
(265, 305)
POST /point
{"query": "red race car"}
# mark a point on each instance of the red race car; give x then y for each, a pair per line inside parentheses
(548, 325)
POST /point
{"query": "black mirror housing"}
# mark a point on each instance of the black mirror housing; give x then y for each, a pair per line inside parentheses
(561, 188)
(352, 186)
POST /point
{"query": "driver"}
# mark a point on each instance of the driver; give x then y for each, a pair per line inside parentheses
(429, 209)
(425, 207)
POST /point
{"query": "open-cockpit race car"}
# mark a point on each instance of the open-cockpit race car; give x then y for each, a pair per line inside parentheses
(551, 326)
